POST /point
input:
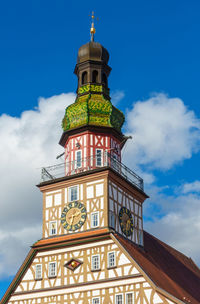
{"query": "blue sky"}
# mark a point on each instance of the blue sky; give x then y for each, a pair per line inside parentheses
(154, 49)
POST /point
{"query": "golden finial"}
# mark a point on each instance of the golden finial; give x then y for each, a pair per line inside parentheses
(92, 29)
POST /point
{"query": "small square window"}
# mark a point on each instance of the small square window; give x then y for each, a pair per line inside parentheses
(111, 259)
(99, 157)
(96, 301)
(52, 269)
(119, 299)
(78, 159)
(95, 219)
(73, 193)
(53, 228)
(129, 298)
(95, 262)
(38, 271)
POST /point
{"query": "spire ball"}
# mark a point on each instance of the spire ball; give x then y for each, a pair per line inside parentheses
(92, 29)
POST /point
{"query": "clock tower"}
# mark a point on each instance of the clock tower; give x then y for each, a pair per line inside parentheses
(95, 190)
(93, 248)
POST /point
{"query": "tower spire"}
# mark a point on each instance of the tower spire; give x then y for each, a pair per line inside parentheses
(92, 29)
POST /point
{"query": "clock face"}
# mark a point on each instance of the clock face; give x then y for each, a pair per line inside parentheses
(73, 216)
(126, 221)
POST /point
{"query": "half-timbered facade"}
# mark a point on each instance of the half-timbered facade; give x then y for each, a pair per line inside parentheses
(93, 248)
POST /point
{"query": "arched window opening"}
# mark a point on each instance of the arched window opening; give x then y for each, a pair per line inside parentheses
(95, 76)
(104, 80)
(84, 77)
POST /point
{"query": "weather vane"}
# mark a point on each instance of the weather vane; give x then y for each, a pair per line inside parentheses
(92, 29)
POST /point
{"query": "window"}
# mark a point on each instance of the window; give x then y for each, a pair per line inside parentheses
(112, 219)
(129, 298)
(95, 219)
(73, 193)
(95, 262)
(95, 301)
(98, 157)
(52, 228)
(84, 77)
(78, 159)
(52, 269)
(119, 299)
(111, 259)
(38, 271)
(94, 76)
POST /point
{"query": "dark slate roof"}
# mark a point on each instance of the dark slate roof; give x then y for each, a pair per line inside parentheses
(169, 269)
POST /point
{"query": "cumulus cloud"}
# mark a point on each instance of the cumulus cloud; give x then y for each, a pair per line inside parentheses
(117, 96)
(176, 220)
(27, 143)
(164, 132)
(191, 187)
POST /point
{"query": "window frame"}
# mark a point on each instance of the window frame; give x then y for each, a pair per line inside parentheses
(112, 217)
(76, 162)
(126, 302)
(49, 274)
(91, 219)
(50, 228)
(119, 294)
(108, 259)
(95, 299)
(69, 193)
(92, 265)
(36, 272)
(98, 149)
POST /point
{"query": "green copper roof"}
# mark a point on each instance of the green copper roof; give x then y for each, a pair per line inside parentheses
(92, 109)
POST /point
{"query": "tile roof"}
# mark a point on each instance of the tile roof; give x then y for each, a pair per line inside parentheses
(70, 237)
(169, 269)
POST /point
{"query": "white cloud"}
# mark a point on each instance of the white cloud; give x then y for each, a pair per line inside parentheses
(191, 187)
(164, 132)
(27, 143)
(176, 220)
(116, 97)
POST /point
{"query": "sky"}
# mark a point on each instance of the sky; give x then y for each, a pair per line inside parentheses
(154, 51)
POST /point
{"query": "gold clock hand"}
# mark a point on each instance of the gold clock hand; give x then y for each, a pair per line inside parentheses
(72, 219)
(77, 213)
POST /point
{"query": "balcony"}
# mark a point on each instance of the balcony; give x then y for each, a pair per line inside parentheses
(89, 164)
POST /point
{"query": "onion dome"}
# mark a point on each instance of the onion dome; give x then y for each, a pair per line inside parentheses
(92, 51)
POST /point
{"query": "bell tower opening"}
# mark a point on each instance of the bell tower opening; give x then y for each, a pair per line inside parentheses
(94, 76)
(84, 78)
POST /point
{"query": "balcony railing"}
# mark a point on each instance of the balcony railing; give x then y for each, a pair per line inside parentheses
(89, 164)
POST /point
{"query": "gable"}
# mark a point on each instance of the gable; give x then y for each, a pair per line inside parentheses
(81, 285)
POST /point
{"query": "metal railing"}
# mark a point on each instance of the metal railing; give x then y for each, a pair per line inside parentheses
(89, 164)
